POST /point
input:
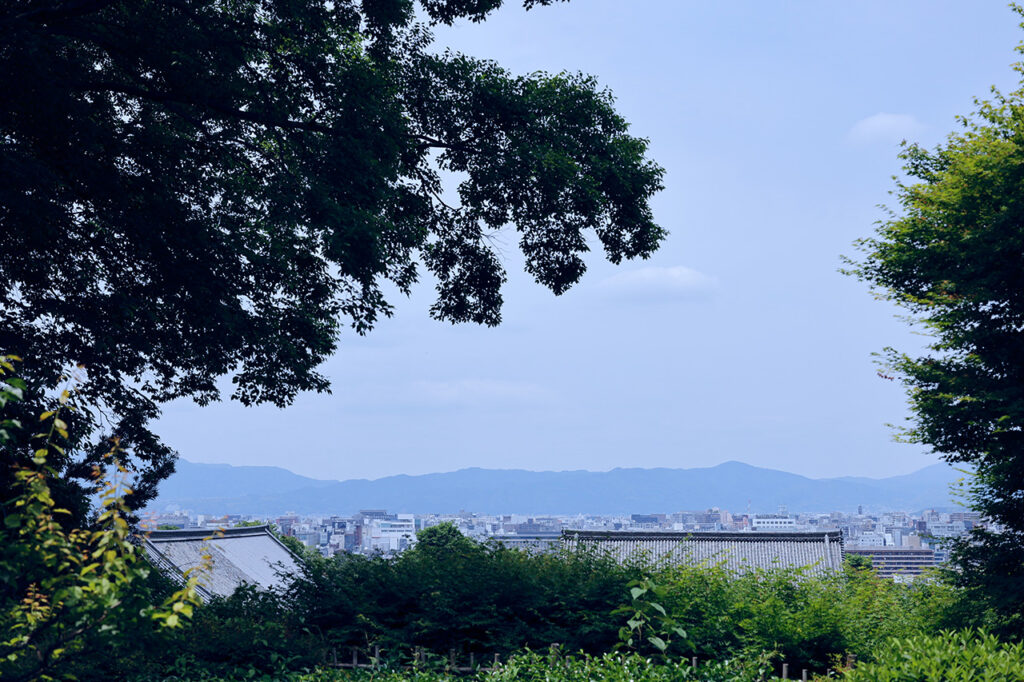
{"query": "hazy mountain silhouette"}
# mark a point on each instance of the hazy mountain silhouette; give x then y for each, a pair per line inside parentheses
(201, 481)
(221, 488)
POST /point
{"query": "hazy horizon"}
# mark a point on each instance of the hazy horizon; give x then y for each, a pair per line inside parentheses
(220, 489)
(557, 471)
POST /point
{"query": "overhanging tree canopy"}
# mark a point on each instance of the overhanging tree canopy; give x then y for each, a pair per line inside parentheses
(197, 188)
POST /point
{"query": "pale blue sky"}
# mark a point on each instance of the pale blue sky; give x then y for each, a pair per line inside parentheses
(778, 124)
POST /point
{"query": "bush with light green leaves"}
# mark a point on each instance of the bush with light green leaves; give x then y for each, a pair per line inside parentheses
(967, 655)
(62, 585)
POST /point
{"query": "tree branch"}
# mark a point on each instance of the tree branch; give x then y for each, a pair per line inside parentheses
(68, 10)
(232, 112)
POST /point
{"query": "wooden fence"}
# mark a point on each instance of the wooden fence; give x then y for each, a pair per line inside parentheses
(358, 658)
(418, 659)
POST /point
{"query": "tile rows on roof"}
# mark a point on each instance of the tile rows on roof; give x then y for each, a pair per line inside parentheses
(242, 555)
(818, 553)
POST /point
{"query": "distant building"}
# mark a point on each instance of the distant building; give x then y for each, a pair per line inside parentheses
(946, 530)
(368, 514)
(894, 562)
(532, 527)
(165, 520)
(647, 519)
(867, 539)
(287, 523)
(388, 534)
(772, 522)
(738, 552)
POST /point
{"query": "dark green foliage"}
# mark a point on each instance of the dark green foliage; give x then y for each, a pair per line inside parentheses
(857, 562)
(193, 189)
(954, 258)
(138, 648)
(250, 629)
(450, 592)
(990, 569)
(251, 633)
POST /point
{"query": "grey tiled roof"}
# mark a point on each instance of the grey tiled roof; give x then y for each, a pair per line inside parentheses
(240, 555)
(740, 552)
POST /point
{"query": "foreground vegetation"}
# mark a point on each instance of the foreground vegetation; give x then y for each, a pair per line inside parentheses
(72, 585)
(67, 594)
(607, 621)
(591, 619)
(950, 657)
(946, 657)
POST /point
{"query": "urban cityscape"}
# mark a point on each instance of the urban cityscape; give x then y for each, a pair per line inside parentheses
(899, 544)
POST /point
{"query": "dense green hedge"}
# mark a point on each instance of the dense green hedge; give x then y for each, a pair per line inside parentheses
(450, 592)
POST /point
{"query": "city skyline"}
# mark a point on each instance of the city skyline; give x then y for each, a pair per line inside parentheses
(903, 544)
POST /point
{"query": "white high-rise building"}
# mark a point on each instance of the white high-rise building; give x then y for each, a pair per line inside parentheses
(772, 522)
(389, 535)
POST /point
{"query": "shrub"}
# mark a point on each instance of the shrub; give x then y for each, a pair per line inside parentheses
(455, 593)
(532, 667)
(807, 620)
(250, 630)
(963, 656)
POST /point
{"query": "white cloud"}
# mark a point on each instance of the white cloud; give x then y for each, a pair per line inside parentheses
(477, 392)
(884, 127)
(660, 283)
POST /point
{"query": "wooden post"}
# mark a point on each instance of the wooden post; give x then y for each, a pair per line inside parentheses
(693, 661)
(785, 671)
(472, 661)
(803, 676)
(355, 658)
(451, 658)
(376, 657)
(497, 660)
(851, 659)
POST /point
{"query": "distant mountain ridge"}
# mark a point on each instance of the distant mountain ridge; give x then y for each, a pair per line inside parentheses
(222, 488)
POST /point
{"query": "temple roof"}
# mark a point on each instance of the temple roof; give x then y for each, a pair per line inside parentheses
(819, 552)
(239, 555)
